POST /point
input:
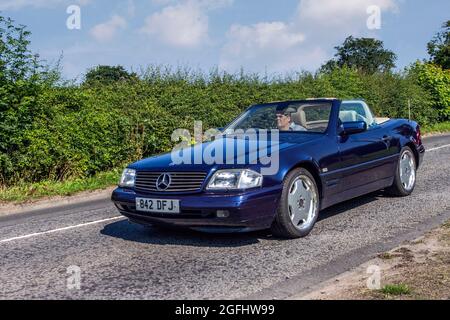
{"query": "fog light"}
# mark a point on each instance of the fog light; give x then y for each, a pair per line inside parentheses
(223, 214)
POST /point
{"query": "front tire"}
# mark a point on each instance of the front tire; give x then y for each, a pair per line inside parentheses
(405, 174)
(299, 205)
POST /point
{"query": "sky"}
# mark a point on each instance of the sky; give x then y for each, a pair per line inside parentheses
(264, 36)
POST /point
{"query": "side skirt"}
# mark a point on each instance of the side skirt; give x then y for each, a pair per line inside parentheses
(356, 192)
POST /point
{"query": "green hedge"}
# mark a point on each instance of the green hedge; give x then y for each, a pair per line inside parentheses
(50, 132)
(437, 82)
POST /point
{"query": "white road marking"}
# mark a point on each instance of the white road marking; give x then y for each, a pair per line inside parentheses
(438, 148)
(60, 229)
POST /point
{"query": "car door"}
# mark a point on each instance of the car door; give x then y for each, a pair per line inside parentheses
(365, 156)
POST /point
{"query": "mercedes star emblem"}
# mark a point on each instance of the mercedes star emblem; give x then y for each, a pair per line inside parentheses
(163, 182)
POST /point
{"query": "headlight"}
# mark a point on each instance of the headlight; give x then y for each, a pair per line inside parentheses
(235, 179)
(128, 178)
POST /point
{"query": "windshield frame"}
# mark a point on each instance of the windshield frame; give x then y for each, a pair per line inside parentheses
(284, 104)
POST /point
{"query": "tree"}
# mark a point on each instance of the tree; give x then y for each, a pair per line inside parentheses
(436, 81)
(17, 62)
(368, 55)
(21, 79)
(108, 75)
(439, 47)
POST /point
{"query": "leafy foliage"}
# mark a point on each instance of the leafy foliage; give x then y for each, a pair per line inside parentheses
(78, 131)
(365, 54)
(396, 289)
(439, 47)
(108, 75)
(16, 60)
(22, 79)
(55, 132)
(436, 81)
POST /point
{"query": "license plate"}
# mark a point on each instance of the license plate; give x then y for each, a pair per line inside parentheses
(158, 205)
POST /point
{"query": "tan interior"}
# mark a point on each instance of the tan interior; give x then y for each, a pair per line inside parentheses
(300, 118)
(348, 116)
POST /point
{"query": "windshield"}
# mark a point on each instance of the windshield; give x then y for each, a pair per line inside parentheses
(293, 117)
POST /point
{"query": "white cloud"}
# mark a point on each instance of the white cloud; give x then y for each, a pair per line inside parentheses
(274, 46)
(268, 35)
(304, 42)
(107, 31)
(184, 23)
(211, 4)
(215, 4)
(162, 2)
(19, 4)
(328, 12)
(327, 23)
(262, 42)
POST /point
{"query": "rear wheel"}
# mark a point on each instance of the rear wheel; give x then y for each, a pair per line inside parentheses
(299, 205)
(405, 174)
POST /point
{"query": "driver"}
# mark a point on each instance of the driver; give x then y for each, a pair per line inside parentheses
(284, 120)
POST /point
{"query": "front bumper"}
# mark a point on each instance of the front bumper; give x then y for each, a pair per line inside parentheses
(252, 210)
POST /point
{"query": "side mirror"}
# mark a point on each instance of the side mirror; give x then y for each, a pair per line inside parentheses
(349, 128)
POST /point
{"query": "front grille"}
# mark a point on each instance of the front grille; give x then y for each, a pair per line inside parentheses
(180, 181)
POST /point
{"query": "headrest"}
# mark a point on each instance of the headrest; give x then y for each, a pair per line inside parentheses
(348, 116)
(299, 118)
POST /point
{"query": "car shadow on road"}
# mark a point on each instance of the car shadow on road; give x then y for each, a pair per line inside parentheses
(351, 204)
(174, 236)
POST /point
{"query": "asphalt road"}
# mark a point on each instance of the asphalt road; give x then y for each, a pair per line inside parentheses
(119, 260)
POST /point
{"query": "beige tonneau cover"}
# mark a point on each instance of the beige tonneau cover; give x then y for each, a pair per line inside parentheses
(382, 120)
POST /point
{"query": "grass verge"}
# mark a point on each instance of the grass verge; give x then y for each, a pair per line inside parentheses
(441, 127)
(396, 289)
(418, 270)
(32, 191)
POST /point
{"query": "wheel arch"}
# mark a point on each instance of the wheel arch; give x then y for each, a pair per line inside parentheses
(415, 152)
(313, 169)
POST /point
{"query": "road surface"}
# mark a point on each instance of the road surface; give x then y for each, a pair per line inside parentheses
(44, 252)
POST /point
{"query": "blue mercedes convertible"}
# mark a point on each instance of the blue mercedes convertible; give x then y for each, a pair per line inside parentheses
(275, 166)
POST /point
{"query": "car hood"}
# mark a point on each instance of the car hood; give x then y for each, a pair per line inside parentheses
(242, 147)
